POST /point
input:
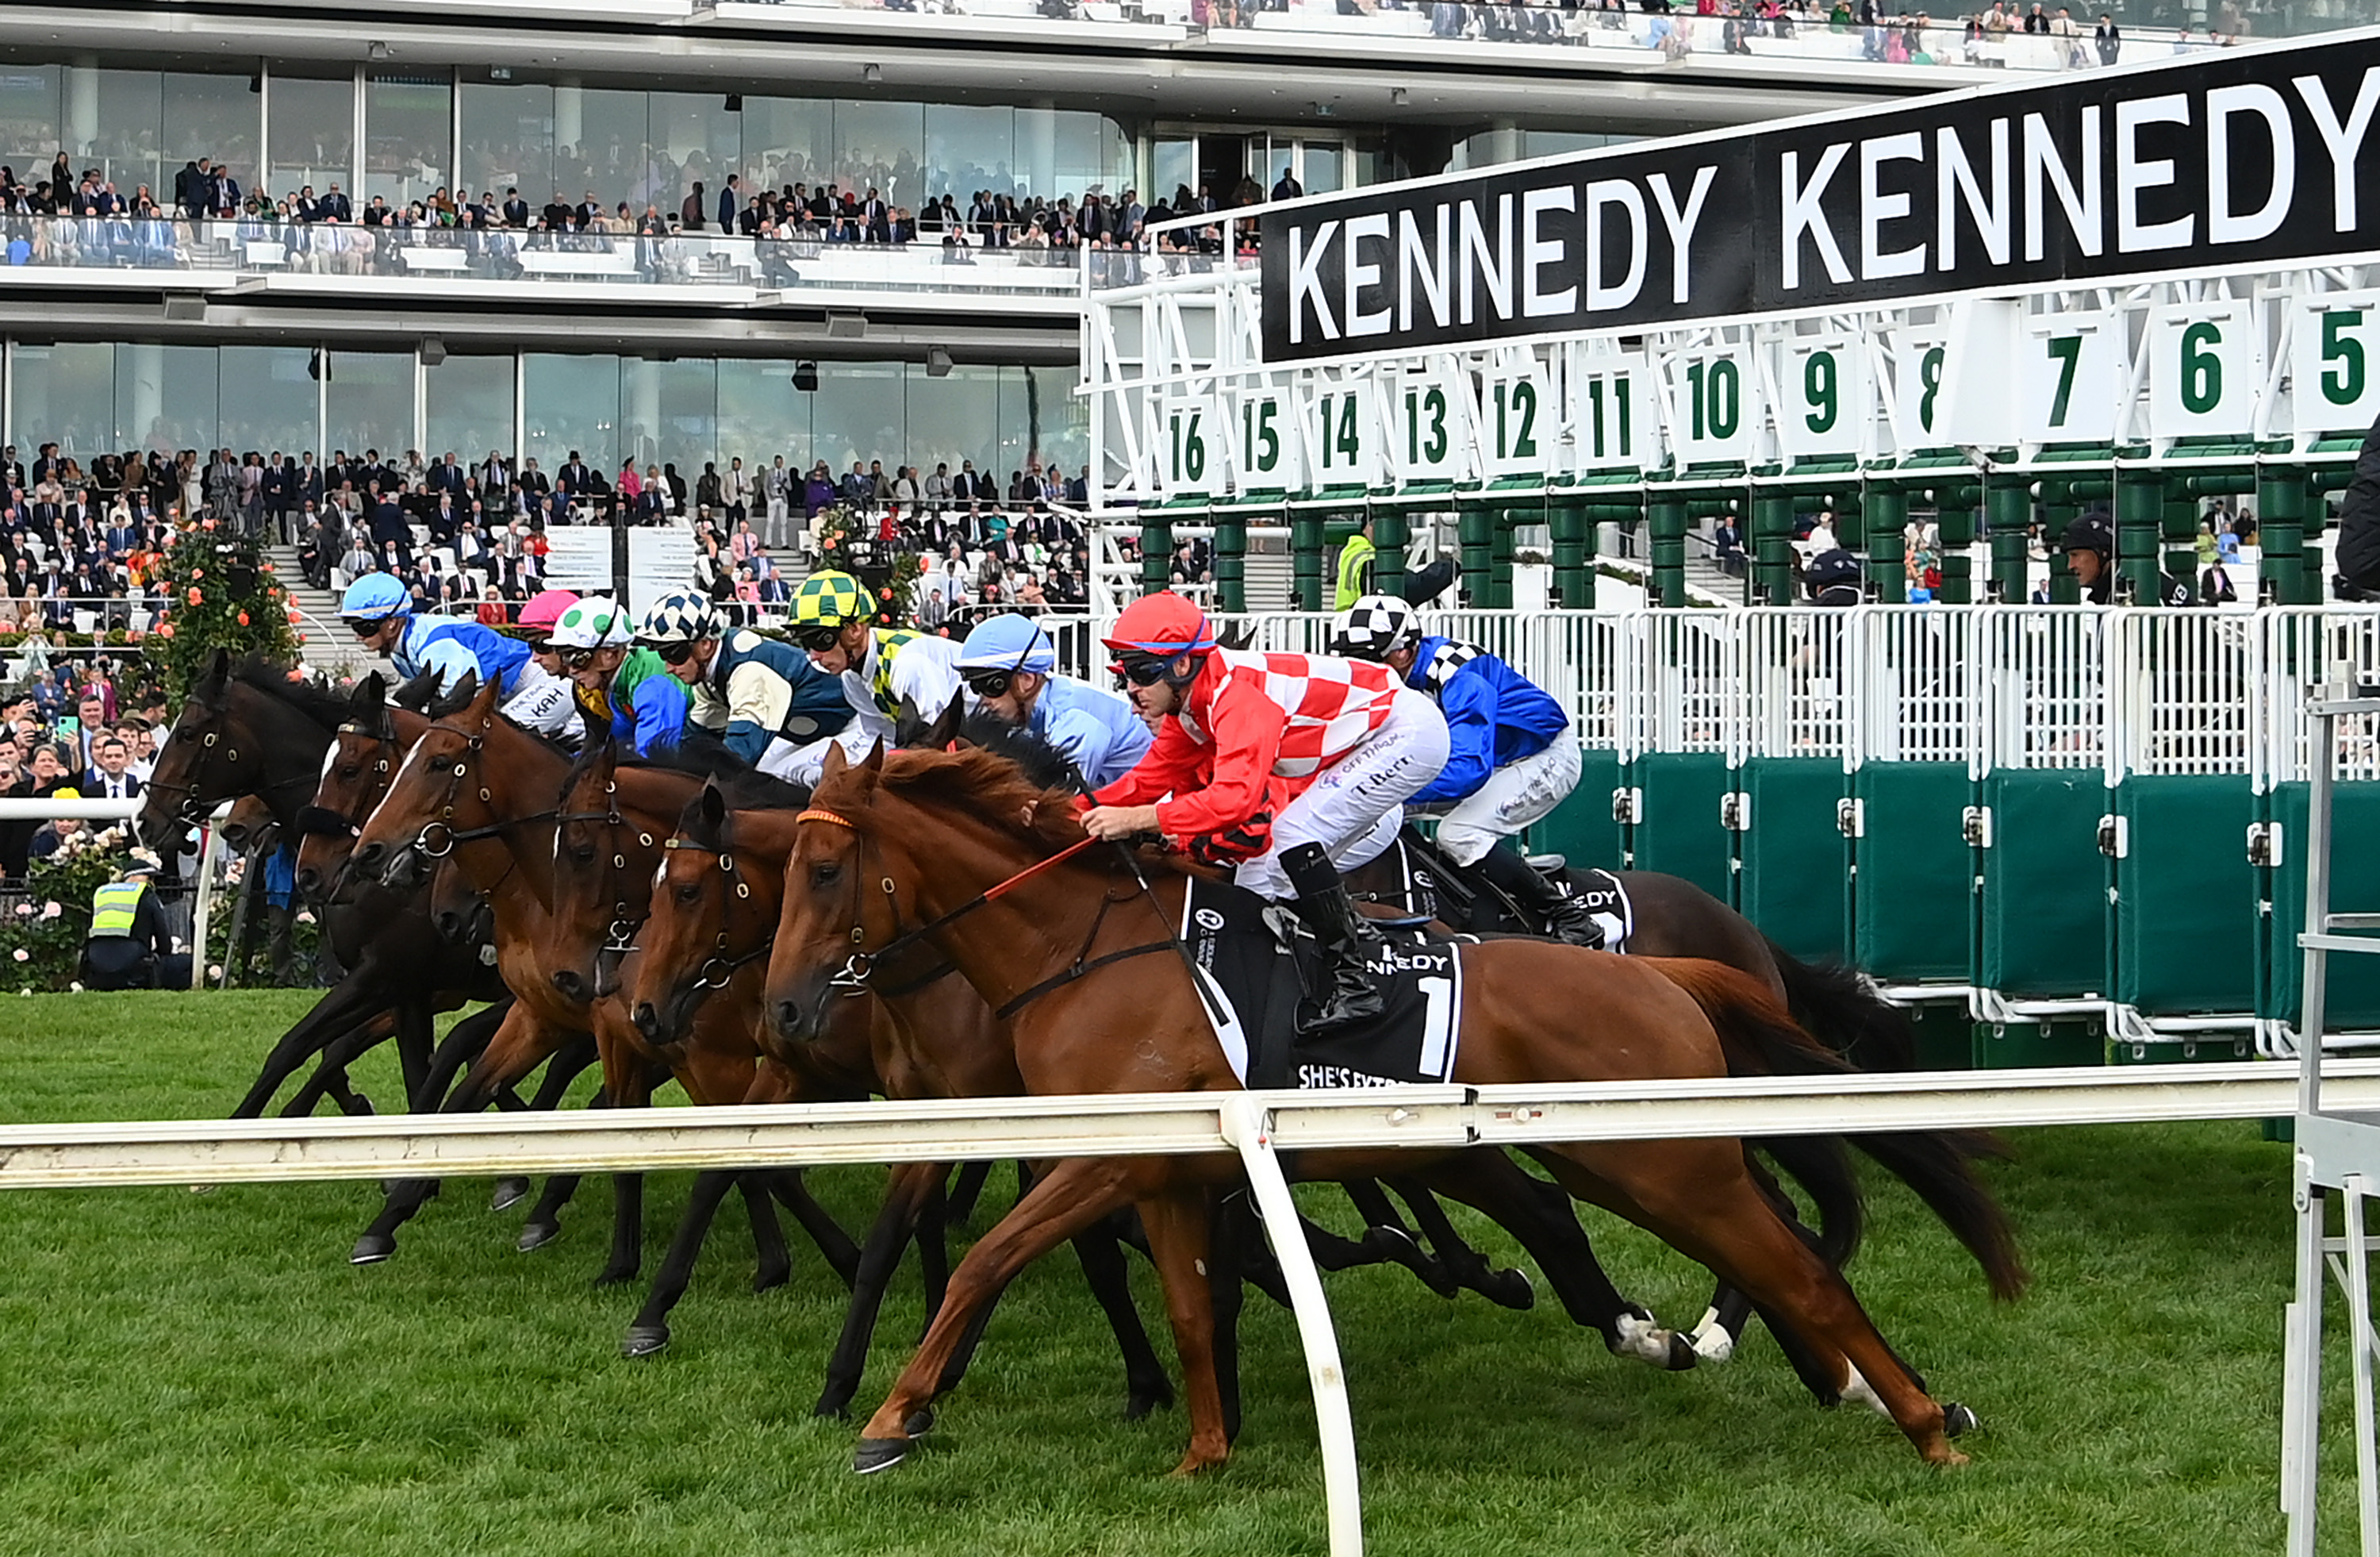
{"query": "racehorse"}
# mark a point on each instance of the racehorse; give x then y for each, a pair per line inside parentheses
(473, 785)
(261, 728)
(961, 852)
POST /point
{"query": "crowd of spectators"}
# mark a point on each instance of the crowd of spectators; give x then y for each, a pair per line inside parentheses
(83, 728)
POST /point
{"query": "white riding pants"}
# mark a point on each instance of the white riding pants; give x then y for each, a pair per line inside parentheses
(1355, 807)
(1514, 795)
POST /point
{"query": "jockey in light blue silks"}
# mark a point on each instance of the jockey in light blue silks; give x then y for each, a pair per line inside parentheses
(379, 611)
(1009, 665)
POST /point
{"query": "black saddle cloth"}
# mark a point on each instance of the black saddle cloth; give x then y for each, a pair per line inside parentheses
(1260, 963)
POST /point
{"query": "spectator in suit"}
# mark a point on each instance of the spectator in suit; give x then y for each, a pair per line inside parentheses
(110, 777)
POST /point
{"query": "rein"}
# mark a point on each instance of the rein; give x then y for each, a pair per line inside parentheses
(193, 809)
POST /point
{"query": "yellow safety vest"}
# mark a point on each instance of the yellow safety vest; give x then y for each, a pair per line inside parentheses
(889, 644)
(1355, 562)
(113, 906)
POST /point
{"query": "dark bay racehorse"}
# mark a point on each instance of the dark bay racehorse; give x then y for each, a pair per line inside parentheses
(910, 847)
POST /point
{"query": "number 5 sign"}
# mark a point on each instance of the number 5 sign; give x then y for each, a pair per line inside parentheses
(2334, 362)
(2206, 363)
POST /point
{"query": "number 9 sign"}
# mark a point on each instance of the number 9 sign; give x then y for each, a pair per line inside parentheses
(2334, 362)
(1828, 405)
(2205, 370)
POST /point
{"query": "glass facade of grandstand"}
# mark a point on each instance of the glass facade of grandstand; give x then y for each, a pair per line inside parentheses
(92, 397)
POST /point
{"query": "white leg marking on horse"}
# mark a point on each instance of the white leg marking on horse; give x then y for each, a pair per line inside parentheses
(1858, 1390)
(1711, 1341)
(1643, 1339)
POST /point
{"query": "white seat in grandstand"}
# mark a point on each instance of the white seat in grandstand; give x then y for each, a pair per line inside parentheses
(569, 261)
(452, 261)
(266, 253)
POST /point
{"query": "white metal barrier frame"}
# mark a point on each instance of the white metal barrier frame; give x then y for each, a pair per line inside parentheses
(1257, 1126)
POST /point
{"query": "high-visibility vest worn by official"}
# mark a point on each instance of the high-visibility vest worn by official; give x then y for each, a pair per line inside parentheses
(1354, 570)
(113, 908)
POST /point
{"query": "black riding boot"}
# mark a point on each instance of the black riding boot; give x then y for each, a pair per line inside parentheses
(1323, 903)
(1566, 919)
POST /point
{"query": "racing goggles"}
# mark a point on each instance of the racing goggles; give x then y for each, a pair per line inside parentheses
(365, 627)
(988, 683)
(1143, 669)
(819, 638)
(676, 652)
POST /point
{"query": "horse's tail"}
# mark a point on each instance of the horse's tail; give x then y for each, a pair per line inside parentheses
(1760, 1037)
(1836, 1005)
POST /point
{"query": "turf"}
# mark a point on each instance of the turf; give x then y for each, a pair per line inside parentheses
(205, 1373)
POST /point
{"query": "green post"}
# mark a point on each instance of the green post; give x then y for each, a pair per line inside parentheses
(1851, 519)
(1476, 535)
(1156, 549)
(1886, 514)
(1231, 562)
(2140, 504)
(1305, 535)
(1388, 539)
(1956, 521)
(1502, 546)
(1666, 519)
(2280, 513)
(1573, 552)
(2008, 504)
(2180, 526)
(1772, 548)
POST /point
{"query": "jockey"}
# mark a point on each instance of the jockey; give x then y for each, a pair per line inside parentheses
(880, 667)
(761, 694)
(1009, 663)
(539, 616)
(620, 687)
(1233, 729)
(1512, 760)
(379, 611)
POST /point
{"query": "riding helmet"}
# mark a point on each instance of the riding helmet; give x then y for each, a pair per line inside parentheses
(679, 616)
(374, 597)
(1375, 627)
(596, 622)
(1009, 642)
(831, 599)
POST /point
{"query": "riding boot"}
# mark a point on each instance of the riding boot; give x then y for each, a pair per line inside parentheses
(1349, 996)
(1566, 917)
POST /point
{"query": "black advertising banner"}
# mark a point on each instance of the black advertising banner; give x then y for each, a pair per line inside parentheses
(2230, 157)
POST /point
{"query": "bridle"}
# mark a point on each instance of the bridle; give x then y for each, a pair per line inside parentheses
(619, 936)
(196, 802)
(322, 821)
(474, 748)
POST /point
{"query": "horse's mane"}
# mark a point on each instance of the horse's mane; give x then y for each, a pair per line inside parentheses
(989, 784)
(745, 788)
(1040, 763)
(311, 696)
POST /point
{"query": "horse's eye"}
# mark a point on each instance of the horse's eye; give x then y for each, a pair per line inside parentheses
(347, 775)
(690, 894)
(584, 853)
(826, 875)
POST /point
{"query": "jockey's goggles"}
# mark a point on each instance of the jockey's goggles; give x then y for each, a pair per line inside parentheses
(988, 683)
(577, 659)
(674, 654)
(820, 638)
(1144, 670)
(363, 628)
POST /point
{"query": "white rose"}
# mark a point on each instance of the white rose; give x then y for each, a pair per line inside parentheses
(215, 970)
(23, 955)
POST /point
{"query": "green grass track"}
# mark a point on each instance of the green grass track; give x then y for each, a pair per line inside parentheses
(206, 1374)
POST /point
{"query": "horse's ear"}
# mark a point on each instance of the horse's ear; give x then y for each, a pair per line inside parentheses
(416, 694)
(836, 762)
(483, 699)
(875, 763)
(371, 693)
(218, 676)
(945, 733)
(714, 807)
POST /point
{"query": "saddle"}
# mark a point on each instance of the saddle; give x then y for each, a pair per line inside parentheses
(1433, 887)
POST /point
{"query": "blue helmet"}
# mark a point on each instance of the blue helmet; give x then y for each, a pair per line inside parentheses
(374, 597)
(1008, 642)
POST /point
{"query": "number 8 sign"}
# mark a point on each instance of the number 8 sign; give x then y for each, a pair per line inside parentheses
(2334, 362)
(2205, 370)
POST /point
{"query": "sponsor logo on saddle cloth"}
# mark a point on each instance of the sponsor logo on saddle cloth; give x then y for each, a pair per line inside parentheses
(1250, 955)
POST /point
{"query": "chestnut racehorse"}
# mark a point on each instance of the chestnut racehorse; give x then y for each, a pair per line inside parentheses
(960, 851)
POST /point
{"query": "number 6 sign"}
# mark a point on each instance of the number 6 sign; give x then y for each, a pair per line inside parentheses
(2205, 370)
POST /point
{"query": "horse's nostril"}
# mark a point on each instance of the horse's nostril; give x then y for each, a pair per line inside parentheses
(647, 1020)
(789, 1017)
(572, 986)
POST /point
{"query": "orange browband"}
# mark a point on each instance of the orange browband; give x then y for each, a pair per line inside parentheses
(814, 814)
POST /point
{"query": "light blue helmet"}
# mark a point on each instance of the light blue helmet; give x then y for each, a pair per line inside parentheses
(375, 596)
(1008, 642)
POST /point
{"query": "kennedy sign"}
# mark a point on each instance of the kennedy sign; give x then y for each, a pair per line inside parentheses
(2241, 156)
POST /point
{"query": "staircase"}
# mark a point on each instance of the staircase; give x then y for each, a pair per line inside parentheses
(328, 647)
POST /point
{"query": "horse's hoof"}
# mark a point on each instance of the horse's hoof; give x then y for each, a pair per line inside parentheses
(770, 1280)
(1682, 1354)
(510, 1192)
(878, 1453)
(919, 1423)
(1640, 1336)
(372, 1249)
(1959, 1420)
(1711, 1339)
(1140, 1403)
(645, 1341)
(537, 1234)
(1510, 1289)
(613, 1276)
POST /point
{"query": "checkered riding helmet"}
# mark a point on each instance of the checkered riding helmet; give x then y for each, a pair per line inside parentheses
(1375, 627)
(596, 622)
(830, 600)
(679, 616)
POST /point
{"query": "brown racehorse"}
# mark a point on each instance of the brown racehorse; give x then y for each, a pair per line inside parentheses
(912, 846)
(705, 946)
